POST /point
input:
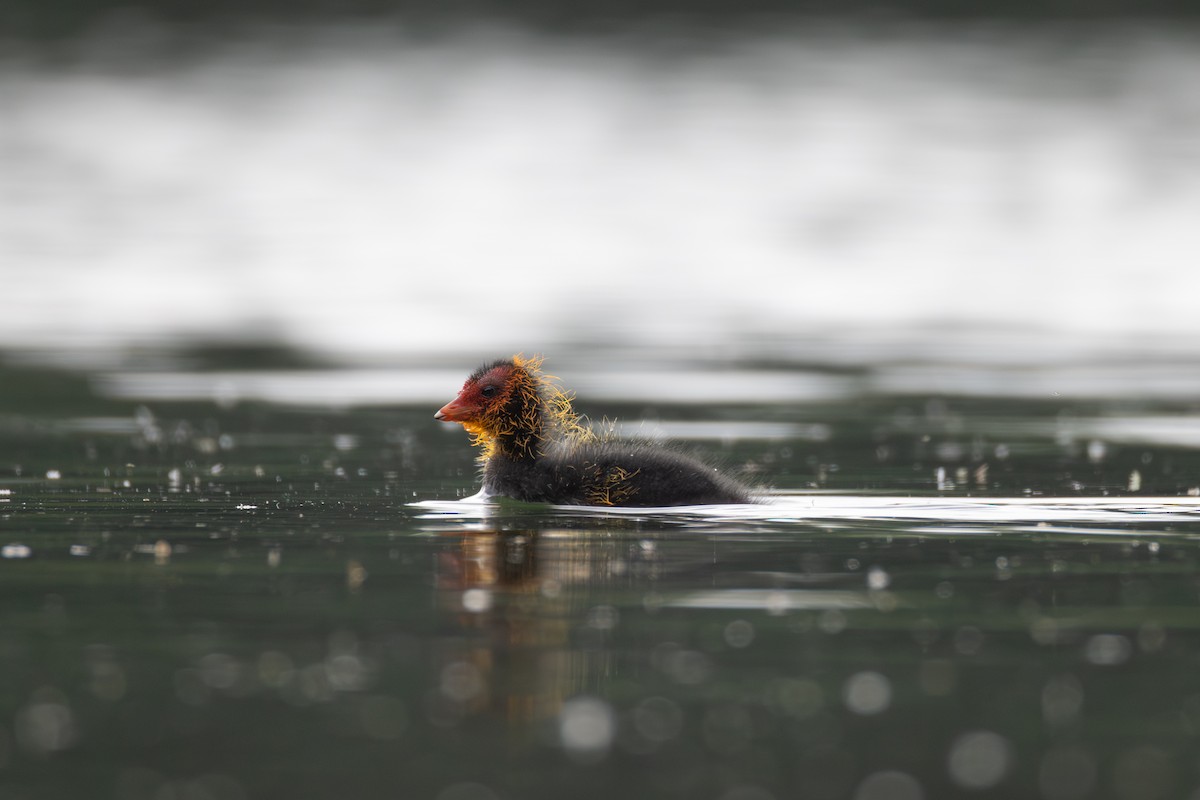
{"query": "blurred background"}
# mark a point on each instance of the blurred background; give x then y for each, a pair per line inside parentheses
(377, 184)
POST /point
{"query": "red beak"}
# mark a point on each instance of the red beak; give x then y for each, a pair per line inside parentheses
(454, 411)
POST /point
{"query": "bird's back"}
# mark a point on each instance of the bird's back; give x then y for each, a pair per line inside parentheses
(608, 473)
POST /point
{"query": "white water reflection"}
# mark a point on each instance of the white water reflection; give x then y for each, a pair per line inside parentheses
(1159, 430)
(724, 430)
(825, 507)
(357, 387)
(1117, 381)
(775, 601)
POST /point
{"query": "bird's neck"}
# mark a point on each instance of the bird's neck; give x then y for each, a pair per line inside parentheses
(535, 415)
(527, 438)
(523, 428)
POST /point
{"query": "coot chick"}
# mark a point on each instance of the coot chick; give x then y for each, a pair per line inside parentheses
(535, 449)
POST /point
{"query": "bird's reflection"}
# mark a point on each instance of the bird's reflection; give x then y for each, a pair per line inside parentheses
(525, 605)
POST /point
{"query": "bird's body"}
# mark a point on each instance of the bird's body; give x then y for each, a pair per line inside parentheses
(535, 449)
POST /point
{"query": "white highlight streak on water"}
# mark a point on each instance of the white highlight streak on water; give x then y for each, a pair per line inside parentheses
(804, 508)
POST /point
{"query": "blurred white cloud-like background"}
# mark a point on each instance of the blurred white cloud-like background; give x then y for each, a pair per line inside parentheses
(812, 191)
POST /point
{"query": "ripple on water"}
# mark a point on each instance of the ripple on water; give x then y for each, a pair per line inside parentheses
(803, 507)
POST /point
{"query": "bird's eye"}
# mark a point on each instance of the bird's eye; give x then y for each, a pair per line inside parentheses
(488, 391)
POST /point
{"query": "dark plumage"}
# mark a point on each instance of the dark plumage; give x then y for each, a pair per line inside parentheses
(535, 449)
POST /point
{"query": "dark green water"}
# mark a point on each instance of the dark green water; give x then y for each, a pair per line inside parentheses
(202, 600)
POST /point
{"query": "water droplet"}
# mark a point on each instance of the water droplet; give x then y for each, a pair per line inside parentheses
(46, 724)
(461, 681)
(867, 693)
(658, 719)
(586, 727)
(219, 670)
(275, 669)
(1108, 649)
(689, 667)
(477, 600)
(979, 760)
(603, 618)
(1062, 700)
(356, 575)
(943, 483)
(739, 633)
(777, 603)
(981, 476)
(878, 579)
(313, 685)
(968, 640)
(797, 697)
(346, 672)
(1151, 637)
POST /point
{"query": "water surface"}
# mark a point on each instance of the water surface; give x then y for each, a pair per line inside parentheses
(222, 595)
